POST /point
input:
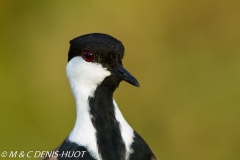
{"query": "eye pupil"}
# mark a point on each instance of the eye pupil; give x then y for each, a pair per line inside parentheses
(88, 56)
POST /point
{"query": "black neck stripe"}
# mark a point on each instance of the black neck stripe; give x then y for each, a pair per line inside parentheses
(108, 134)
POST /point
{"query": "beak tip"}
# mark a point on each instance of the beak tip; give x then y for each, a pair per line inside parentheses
(123, 74)
(135, 83)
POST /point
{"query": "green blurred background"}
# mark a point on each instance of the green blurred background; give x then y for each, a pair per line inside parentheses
(185, 54)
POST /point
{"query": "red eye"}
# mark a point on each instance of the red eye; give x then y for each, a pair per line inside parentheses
(88, 56)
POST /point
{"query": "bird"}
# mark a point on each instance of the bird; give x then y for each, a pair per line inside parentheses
(94, 71)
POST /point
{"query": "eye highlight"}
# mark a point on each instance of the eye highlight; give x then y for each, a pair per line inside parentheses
(88, 56)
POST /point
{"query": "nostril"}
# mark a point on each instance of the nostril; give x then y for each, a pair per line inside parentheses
(120, 71)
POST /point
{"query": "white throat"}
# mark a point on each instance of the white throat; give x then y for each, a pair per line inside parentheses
(84, 77)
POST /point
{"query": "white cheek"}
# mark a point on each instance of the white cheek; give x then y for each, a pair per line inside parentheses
(85, 73)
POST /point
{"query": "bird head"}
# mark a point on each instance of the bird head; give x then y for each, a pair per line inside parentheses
(95, 57)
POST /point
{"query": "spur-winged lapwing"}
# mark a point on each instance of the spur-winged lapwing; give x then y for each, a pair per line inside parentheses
(94, 71)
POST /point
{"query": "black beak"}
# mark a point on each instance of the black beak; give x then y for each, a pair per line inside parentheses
(122, 73)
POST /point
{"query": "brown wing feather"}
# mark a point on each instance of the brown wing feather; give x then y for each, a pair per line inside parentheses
(54, 157)
(153, 158)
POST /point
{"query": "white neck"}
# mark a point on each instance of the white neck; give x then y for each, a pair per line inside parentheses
(84, 133)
